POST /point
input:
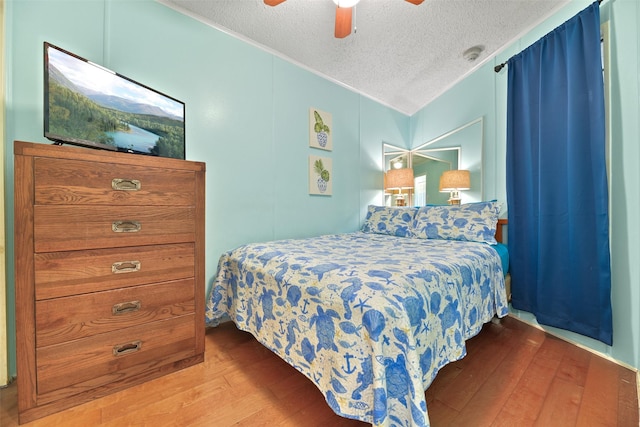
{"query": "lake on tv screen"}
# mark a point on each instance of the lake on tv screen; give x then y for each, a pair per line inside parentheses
(136, 139)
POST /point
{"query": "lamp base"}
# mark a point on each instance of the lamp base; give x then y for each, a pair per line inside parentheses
(454, 198)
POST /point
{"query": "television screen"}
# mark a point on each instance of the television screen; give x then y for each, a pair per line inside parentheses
(89, 105)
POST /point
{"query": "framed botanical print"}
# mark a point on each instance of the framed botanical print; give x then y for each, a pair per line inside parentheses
(320, 176)
(320, 129)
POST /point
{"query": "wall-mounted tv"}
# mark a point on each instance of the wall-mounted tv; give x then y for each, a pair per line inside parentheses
(89, 105)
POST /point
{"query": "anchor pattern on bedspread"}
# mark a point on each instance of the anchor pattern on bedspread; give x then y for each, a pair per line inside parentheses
(370, 331)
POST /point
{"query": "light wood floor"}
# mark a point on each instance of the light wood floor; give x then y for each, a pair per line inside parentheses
(513, 375)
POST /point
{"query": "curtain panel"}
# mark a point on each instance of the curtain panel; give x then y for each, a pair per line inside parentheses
(556, 180)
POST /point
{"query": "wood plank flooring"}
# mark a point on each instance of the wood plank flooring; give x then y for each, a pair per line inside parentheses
(513, 375)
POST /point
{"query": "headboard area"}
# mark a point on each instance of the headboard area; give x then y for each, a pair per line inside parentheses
(502, 223)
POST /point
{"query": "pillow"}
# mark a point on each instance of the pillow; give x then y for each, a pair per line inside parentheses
(473, 222)
(395, 221)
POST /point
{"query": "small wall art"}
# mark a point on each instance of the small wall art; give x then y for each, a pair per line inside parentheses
(320, 176)
(320, 129)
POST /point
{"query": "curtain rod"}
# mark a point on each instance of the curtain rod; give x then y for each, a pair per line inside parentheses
(499, 67)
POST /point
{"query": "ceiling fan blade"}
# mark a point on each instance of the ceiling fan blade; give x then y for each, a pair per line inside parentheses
(273, 2)
(416, 2)
(343, 22)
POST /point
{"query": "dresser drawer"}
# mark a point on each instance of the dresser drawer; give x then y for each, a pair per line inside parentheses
(96, 360)
(59, 274)
(110, 282)
(65, 228)
(77, 182)
(69, 318)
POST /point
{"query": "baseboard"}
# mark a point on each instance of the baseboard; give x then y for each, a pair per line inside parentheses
(582, 346)
(590, 350)
(11, 380)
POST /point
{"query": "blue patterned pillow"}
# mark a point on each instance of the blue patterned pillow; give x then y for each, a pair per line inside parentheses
(396, 221)
(474, 222)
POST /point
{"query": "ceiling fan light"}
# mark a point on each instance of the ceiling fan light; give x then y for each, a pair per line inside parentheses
(346, 3)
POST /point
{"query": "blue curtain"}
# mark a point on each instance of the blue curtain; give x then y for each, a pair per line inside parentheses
(556, 180)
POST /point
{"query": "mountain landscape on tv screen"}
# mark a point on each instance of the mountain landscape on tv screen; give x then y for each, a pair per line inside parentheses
(83, 113)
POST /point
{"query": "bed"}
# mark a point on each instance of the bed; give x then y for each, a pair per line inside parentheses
(370, 317)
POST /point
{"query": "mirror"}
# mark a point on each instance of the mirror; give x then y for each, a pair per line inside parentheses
(460, 148)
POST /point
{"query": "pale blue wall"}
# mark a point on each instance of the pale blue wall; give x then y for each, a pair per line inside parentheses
(484, 94)
(246, 115)
(378, 125)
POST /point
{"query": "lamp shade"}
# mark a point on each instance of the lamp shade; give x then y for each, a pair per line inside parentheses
(398, 179)
(455, 180)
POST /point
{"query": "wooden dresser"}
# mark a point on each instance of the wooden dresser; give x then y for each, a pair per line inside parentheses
(109, 272)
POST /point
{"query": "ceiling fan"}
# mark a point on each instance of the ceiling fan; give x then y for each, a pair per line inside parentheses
(343, 14)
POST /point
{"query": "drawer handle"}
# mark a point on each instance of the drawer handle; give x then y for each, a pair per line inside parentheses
(125, 307)
(126, 226)
(125, 267)
(123, 184)
(128, 348)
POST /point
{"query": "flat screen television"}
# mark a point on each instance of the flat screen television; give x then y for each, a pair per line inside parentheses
(88, 105)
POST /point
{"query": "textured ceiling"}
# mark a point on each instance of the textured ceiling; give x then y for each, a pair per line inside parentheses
(400, 54)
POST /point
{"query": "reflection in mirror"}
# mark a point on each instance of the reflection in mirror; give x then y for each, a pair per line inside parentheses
(428, 166)
(460, 148)
(398, 181)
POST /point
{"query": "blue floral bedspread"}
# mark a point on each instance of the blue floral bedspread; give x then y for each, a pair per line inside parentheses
(369, 318)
